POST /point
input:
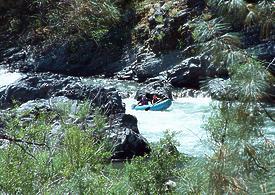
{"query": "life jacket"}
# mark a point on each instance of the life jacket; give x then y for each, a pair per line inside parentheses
(155, 99)
(144, 101)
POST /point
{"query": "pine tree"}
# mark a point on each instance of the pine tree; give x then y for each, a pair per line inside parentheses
(243, 158)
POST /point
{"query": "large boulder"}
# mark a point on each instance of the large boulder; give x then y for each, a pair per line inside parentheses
(160, 88)
(148, 64)
(80, 59)
(125, 137)
(192, 71)
(128, 144)
(45, 86)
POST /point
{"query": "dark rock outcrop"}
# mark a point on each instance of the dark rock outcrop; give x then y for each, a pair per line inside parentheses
(122, 132)
(148, 65)
(161, 35)
(84, 59)
(129, 144)
(166, 28)
(125, 138)
(46, 86)
(159, 88)
(191, 71)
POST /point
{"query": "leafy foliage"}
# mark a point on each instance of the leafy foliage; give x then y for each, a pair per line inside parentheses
(207, 30)
(148, 176)
(77, 18)
(240, 13)
(37, 159)
(193, 178)
(214, 39)
(52, 155)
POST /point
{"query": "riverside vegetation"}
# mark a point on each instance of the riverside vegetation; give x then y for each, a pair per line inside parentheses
(33, 159)
(36, 159)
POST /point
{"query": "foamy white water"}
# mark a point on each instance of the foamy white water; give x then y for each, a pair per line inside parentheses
(185, 117)
(7, 78)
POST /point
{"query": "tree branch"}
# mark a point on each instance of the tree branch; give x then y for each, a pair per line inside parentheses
(6, 137)
(271, 63)
(25, 150)
(267, 113)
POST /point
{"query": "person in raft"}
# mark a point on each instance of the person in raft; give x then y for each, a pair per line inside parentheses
(143, 101)
(155, 99)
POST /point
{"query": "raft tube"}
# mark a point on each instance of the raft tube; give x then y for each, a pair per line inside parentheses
(163, 105)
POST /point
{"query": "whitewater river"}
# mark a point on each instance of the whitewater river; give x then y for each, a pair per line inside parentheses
(185, 117)
(8, 77)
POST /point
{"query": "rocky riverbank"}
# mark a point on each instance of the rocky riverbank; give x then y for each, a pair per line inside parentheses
(149, 43)
(44, 93)
(152, 42)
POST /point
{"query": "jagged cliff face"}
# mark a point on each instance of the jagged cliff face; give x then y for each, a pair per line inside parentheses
(147, 40)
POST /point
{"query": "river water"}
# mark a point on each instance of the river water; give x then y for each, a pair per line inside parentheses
(185, 117)
(8, 77)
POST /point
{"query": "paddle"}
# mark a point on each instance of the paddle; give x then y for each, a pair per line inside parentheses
(133, 106)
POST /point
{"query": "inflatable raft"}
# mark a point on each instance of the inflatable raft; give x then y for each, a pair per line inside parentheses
(163, 105)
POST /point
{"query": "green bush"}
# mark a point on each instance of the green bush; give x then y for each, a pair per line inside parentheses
(72, 19)
(148, 175)
(35, 160)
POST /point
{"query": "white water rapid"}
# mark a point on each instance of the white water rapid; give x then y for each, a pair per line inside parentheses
(185, 117)
(7, 78)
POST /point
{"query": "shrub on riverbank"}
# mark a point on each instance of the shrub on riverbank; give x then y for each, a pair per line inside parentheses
(62, 20)
(48, 152)
(153, 175)
(37, 154)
